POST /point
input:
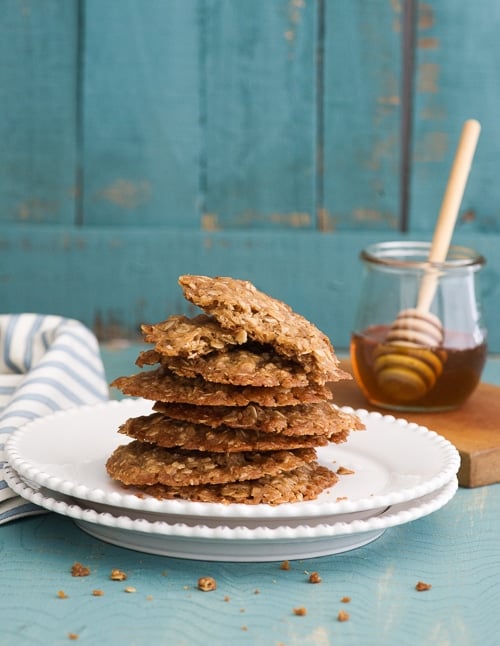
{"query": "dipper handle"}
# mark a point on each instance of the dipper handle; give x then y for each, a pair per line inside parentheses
(449, 209)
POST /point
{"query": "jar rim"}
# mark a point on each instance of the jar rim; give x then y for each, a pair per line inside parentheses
(407, 254)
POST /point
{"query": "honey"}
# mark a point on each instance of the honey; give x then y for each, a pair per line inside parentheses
(461, 362)
(436, 349)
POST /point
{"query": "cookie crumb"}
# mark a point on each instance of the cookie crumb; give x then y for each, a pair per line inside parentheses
(421, 586)
(98, 593)
(285, 565)
(346, 600)
(62, 595)
(344, 471)
(300, 612)
(314, 577)
(117, 575)
(149, 597)
(340, 498)
(256, 591)
(129, 589)
(73, 636)
(207, 584)
(343, 615)
(245, 628)
(226, 598)
(77, 569)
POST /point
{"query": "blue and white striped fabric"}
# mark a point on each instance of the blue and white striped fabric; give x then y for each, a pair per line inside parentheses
(47, 363)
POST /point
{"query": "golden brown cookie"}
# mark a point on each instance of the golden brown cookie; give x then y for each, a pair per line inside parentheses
(162, 385)
(241, 366)
(140, 464)
(299, 485)
(323, 418)
(190, 337)
(239, 306)
(163, 431)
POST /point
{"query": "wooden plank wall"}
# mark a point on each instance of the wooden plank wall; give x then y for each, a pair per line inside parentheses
(263, 139)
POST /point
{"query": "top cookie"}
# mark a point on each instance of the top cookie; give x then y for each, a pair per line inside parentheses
(239, 306)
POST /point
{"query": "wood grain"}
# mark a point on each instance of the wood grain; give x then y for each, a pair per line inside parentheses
(38, 113)
(140, 113)
(259, 114)
(474, 428)
(457, 53)
(362, 115)
(137, 139)
(455, 549)
(113, 278)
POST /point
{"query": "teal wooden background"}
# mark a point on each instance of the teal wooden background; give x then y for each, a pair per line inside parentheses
(263, 139)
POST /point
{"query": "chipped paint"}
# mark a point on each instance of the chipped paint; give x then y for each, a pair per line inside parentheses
(468, 216)
(428, 43)
(36, 210)
(210, 222)
(251, 218)
(295, 219)
(428, 74)
(318, 636)
(425, 16)
(329, 222)
(374, 215)
(389, 100)
(385, 585)
(478, 500)
(326, 223)
(398, 10)
(444, 633)
(396, 26)
(70, 242)
(295, 8)
(126, 193)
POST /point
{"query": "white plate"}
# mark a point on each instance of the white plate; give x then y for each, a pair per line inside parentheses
(218, 542)
(393, 461)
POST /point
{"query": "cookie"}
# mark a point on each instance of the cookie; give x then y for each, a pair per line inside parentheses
(241, 402)
(239, 367)
(239, 306)
(138, 463)
(190, 337)
(162, 385)
(323, 418)
(163, 431)
(299, 485)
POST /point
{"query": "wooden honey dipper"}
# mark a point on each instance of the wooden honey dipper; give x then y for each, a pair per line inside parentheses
(409, 362)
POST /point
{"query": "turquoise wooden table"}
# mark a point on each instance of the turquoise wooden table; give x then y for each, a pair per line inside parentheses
(456, 550)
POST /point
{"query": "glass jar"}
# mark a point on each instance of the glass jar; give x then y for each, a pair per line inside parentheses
(429, 358)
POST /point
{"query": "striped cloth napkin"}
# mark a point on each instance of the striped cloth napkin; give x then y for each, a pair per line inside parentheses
(47, 363)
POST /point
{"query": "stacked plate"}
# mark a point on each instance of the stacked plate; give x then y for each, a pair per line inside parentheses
(395, 472)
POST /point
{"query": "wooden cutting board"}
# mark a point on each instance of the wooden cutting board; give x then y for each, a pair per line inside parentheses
(474, 428)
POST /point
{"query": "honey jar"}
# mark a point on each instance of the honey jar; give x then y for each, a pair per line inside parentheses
(404, 370)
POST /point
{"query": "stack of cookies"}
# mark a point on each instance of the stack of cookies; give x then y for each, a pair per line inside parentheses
(241, 402)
